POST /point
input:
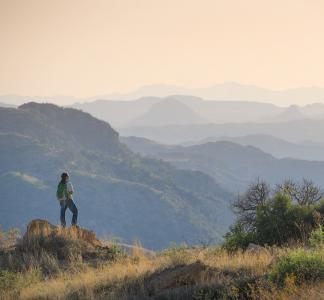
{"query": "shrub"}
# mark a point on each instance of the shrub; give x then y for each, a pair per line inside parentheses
(316, 239)
(274, 224)
(304, 266)
(8, 280)
(237, 239)
(278, 218)
(9, 238)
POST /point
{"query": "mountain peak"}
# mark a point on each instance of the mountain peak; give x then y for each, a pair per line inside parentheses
(44, 120)
(169, 111)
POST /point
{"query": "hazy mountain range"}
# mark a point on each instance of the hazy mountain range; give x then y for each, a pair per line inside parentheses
(118, 193)
(228, 91)
(298, 131)
(169, 111)
(232, 165)
(6, 105)
(146, 111)
(231, 91)
(279, 148)
(169, 178)
(134, 187)
(181, 109)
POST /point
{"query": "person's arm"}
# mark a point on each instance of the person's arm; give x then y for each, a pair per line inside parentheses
(70, 189)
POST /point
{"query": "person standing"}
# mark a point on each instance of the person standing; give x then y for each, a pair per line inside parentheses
(64, 194)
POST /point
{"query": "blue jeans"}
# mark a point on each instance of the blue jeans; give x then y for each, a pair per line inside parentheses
(68, 204)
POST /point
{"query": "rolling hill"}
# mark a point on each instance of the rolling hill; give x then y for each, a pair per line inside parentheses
(118, 193)
(149, 110)
(294, 131)
(170, 111)
(234, 166)
(230, 91)
(279, 148)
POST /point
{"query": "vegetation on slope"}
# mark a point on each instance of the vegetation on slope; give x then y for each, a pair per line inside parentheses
(57, 264)
(176, 273)
(118, 193)
(287, 215)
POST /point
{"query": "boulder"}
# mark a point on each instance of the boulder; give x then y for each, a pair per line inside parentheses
(180, 275)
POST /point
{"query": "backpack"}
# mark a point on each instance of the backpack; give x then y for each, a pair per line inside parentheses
(61, 190)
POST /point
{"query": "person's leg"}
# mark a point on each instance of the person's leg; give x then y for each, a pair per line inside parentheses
(74, 211)
(63, 210)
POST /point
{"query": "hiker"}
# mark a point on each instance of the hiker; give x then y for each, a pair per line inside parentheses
(65, 195)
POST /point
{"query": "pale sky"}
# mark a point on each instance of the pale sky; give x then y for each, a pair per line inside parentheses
(91, 47)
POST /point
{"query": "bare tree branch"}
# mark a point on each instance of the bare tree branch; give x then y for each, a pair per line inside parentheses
(304, 193)
(245, 205)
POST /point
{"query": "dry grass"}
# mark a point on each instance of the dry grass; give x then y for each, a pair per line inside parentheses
(177, 273)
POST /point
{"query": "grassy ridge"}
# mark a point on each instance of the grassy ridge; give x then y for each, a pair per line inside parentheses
(176, 273)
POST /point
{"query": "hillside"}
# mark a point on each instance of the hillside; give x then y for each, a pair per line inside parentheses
(195, 110)
(292, 113)
(117, 113)
(230, 91)
(277, 147)
(170, 111)
(233, 165)
(118, 193)
(293, 131)
(51, 263)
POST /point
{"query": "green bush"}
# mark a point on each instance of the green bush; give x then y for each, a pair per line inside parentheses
(274, 222)
(316, 239)
(276, 219)
(304, 266)
(237, 239)
(9, 280)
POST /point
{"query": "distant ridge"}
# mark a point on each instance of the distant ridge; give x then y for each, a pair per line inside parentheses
(232, 164)
(169, 111)
(277, 147)
(228, 91)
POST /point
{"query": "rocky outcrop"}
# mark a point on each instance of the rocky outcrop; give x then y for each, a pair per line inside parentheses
(43, 229)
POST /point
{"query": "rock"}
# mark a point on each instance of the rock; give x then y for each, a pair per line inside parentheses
(39, 228)
(43, 229)
(180, 275)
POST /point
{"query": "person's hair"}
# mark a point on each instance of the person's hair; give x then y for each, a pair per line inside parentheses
(63, 176)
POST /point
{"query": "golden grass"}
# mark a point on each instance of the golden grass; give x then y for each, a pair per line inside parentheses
(293, 292)
(133, 275)
(110, 276)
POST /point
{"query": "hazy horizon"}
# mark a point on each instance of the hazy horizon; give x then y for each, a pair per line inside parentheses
(227, 91)
(86, 48)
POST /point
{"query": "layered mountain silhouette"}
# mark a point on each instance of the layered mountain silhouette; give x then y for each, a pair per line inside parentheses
(2, 104)
(184, 109)
(294, 131)
(168, 112)
(177, 109)
(231, 164)
(230, 91)
(277, 147)
(118, 113)
(119, 193)
(292, 113)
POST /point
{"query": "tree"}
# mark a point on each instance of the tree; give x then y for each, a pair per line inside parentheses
(289, 215)
(304, 193)
(245, 206)
(274, 223)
